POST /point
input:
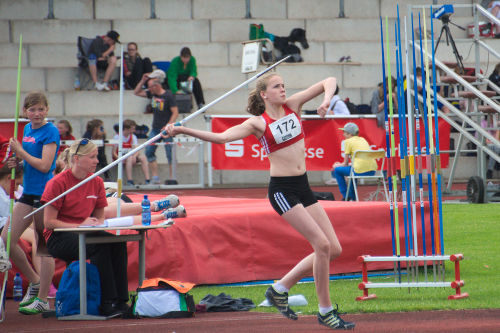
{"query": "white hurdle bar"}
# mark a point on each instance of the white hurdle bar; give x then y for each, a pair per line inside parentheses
(455, 284)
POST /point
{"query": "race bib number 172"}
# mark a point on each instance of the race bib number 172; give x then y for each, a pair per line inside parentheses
(285, 128)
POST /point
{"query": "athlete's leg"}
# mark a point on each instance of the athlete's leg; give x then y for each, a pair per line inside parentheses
(299, 218)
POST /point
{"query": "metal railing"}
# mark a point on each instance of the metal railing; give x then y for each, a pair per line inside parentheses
(463, 122)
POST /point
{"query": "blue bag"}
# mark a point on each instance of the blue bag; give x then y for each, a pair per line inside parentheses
(68, 293)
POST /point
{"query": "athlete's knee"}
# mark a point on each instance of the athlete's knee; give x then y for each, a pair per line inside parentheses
(322, 247)
(335, 250)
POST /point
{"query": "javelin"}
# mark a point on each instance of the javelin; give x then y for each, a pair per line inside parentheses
(158, 136)
(426, 96)
(12, 179)
(438, 159)
(419, 152)
(393, 145)
(387, 144)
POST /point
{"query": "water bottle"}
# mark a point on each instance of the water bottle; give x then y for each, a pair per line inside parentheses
(76, 84)
(146, 211)
(18, 288)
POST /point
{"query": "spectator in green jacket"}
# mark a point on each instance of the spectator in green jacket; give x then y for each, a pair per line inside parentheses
(182, 76)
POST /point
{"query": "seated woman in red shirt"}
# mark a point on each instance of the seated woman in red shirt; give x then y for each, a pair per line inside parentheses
(85, 206)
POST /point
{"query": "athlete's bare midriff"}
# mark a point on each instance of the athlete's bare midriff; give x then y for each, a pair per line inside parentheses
(288, 161)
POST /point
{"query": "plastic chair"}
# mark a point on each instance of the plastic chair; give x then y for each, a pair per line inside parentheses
(163, 65)
(379, 173)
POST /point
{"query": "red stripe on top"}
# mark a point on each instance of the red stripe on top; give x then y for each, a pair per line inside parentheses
(267, 140)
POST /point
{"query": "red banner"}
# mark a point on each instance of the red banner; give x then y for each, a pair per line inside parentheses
(7, 128)
(323, 143)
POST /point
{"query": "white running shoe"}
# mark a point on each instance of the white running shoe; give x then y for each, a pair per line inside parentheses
(30, 295)
(36, 307)
(5, 264)
(105, 86)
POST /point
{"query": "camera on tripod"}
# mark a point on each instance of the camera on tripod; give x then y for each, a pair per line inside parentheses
(444, 12)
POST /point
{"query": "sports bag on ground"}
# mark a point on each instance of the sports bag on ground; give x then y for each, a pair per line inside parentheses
(68, 293)
(162, 298)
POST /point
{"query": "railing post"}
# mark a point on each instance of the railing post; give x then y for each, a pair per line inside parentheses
(50, 15)
(247, 9)
(153, 9)
(341, 9)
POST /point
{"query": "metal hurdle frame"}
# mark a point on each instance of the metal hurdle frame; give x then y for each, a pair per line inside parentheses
(456, 284)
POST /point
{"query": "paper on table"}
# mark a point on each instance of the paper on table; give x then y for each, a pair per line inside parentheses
(125, 221)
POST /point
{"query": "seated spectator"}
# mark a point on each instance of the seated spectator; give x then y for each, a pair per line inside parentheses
(494, 9)
(337, 106)
(65, 132)
(496, 134)
(126, 208)
(95, 131)
(101, 56)
(377, 102)
(183, 69)
(5, 184)
(85, 206)
(135, 66)
(495, 77)
(129, 141)
(362, 167)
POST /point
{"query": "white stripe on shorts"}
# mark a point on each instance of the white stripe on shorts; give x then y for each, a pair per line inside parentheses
(281, 201)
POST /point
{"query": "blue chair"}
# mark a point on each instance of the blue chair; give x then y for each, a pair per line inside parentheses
(163, 65)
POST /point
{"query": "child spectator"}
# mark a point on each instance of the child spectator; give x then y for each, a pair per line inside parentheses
(362, 167)
(65, 132)
(135, 66)
(38, 151)
(129, 141)
(95, 131)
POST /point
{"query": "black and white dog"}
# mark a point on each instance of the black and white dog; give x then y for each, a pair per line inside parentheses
(286, 45)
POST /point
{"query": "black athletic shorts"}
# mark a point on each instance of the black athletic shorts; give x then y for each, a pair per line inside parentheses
(31, 200)
(286, 192)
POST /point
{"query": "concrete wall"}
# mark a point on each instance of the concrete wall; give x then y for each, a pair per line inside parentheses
(214, 30)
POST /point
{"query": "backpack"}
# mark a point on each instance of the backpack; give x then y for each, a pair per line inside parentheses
(162, 298)
(351, 106)
(68, 294)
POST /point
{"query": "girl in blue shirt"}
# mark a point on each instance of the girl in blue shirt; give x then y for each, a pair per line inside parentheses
(38, 151)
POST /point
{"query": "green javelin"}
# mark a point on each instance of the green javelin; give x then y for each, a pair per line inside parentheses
(12, 180)
(393, 145)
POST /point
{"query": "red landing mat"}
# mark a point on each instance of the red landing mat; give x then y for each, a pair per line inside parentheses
(227, 240)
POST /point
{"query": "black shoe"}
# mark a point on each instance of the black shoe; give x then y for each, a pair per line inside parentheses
(333, 321)
(121, 306)
(489, 174)
(107, 310)
(280, 301)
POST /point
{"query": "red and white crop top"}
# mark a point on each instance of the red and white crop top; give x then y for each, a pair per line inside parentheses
(281, 133)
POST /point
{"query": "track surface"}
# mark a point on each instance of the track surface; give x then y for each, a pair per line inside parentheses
(222, 322)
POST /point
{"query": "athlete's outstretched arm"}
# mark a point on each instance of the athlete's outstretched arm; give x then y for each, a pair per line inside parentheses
(327, 86)
(247, 128)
